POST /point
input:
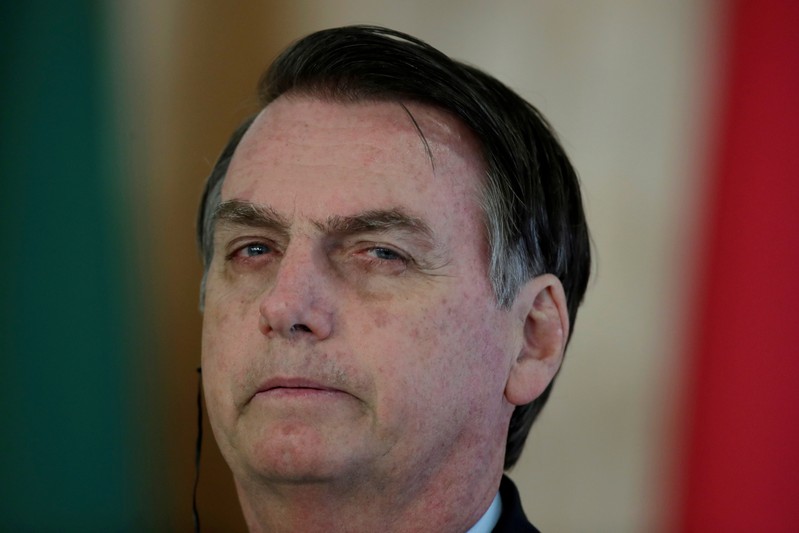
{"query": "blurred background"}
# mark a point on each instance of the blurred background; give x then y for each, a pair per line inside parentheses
(677, 407)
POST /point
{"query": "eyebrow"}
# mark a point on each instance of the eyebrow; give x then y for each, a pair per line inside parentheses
(378, 221)
(247, 214)
(241, 213)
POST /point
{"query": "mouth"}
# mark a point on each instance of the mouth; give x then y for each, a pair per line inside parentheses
(294, 387)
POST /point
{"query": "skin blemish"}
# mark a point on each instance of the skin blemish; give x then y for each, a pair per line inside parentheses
(381, 318)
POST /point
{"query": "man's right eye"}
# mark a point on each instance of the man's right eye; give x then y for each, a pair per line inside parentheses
(252, 250)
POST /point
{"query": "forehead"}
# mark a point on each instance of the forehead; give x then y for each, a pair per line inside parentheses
(310, 157)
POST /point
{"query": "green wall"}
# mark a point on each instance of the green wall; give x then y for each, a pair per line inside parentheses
(68, 459)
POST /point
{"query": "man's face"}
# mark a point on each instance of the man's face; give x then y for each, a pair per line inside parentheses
(350, 330)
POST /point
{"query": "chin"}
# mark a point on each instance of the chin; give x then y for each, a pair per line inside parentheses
(298, 458)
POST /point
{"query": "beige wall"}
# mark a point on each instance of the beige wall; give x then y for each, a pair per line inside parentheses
(623, 82)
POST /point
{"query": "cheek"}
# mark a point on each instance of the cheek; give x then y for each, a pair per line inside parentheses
(230, 317)
(447, 351)
(438, 371)
(216, 337)
(215, 365)
(381, 319)
(224, 336)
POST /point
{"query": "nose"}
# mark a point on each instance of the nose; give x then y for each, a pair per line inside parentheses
(298, 303)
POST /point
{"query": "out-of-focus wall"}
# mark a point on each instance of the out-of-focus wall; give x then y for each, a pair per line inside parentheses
(185, 78)
(624, 84)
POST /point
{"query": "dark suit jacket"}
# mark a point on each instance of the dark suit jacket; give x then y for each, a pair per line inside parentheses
(512, 519)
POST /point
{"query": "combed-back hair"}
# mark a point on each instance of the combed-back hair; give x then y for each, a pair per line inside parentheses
(531, 198)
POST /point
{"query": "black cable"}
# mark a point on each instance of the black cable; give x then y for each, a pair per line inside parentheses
(198, 449)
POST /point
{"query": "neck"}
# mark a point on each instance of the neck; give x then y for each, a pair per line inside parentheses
(443, 501)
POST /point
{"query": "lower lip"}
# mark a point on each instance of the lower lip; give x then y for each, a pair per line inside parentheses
(298, 393)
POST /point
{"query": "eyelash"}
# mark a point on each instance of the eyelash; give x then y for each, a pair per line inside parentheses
(255, 245)
(240, 252)
(384, 249)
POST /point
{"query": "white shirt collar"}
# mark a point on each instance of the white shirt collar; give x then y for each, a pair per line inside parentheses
(490, 518)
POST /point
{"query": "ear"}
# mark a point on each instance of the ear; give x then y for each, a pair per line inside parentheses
(544, 330)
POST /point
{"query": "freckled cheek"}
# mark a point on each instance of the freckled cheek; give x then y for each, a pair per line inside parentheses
(466, 338)
(244, 296)
(230, 320)
(214, 371)
(224, 341)
(236, 288)
(216, 360)
(422, 370)
(409, 344)
(381, 318)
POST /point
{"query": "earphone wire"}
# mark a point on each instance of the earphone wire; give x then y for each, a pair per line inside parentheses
(198, 449)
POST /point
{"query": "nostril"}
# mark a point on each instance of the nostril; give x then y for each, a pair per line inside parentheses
(300, 327)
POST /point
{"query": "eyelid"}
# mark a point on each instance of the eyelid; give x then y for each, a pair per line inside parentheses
(400, 254)
(368, 246)
(235, 246)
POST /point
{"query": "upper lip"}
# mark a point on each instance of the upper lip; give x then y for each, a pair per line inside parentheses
(293, 383)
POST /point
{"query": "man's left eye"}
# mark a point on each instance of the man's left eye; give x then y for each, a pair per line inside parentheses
(386, 254)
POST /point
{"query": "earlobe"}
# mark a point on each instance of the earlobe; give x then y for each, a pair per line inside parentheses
(544, 330)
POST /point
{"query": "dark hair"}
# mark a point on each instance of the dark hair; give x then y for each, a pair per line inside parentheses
(533, 208)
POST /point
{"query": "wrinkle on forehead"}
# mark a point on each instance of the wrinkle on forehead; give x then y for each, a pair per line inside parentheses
(439, 130)
(316, 161)
(293, 119)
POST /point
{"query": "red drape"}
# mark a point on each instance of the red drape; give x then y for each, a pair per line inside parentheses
(741, 453)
